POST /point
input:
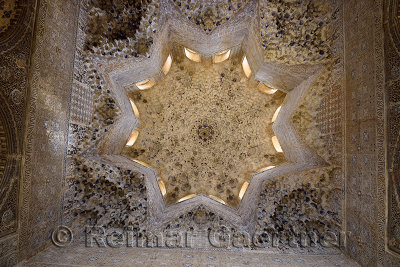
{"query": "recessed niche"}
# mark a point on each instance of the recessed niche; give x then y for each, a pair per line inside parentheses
(132, 138)
(246, 67)
(135, 109)
(243, 189)
(192, 55)
(187, 197)
(222, 56)
(276, 144)
(276, 114)
(146, 84)
(167, 65)
(142, 163)
(265, 169)
(161, 184)
(267, 89)
(217, 199)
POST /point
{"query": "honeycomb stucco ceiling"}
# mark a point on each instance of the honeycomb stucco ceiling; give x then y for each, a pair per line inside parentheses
(205, 128)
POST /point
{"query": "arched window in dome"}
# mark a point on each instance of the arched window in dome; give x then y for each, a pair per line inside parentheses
(276, 114)
(187, 197)
(243, 189)
(246, 67)
(167, 65)
(142, 163)
(276, 144)
(217, 199)
(266, 89)
(222, 56)
(192, 55)
(146, 84)
(135, 109)
(265, 169)
(161, 184)
(132, 138)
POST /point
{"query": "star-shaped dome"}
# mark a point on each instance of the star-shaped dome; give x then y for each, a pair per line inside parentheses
(202, 132)
(205, 128)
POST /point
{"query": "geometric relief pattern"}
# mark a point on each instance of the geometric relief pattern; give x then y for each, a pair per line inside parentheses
(15, 18)
(329, 114)
(81, 103)
(392, 75)
(50, 81)
(394, 200)
(14, 22)
(364, 138)
(206, 17)
(329, 108)
(394, 21)
(8, 180)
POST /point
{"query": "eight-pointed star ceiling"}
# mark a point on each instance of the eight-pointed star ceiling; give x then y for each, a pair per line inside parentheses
(121, 74)
(205, 128)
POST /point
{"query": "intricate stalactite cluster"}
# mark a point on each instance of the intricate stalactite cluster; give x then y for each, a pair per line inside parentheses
(201, 129)
(301, 203)
(8, 12)
(109, 197)
(296, 31)
(200, 219)
(105, 113)
(206, 129)
(211, 14)
(121, 28)
(305, 117)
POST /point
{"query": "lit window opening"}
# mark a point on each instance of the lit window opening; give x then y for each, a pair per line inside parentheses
(243, 189)
(132, 138)
(146, 84)
(162, 186)
(276, 144)
(265, 169)
(222, 56)
(267, 89)
(142, 163)
(192, 55)
(276, 114)
(135, 109)
(167, 65)
(187, 197)
(217, 199)
(246, 67)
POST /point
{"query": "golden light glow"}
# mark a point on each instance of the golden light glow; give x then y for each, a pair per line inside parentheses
(135, 109)
(167, 65)
(132, 138)
(146, 84)
(276, 114)
(276, 144)
(161, 184)
(267, 89)
(243, 189)
(217, 199)
(246, 67)
(142, 163)
(192, 55)
(187, 197)
(220, 57)
(265, 169)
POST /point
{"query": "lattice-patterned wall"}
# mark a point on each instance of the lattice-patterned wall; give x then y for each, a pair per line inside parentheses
(366, 176)
(330, 120)
(50, 89)
(16, 23)
(81, 103)
(392, 83)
